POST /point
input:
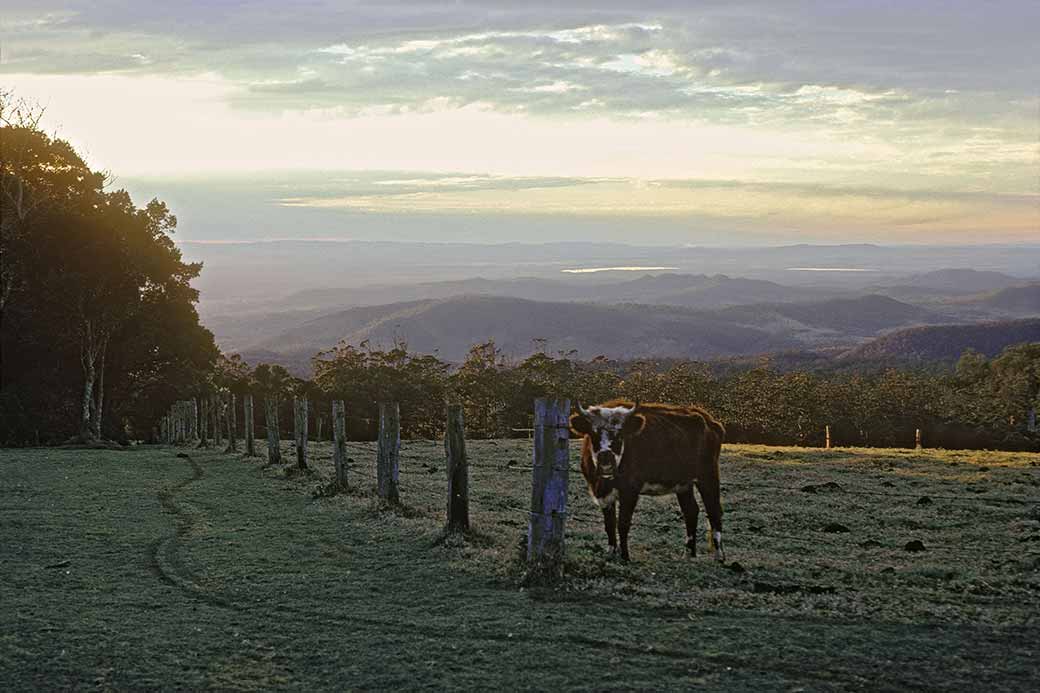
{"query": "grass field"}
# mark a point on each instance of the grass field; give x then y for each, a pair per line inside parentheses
(141, 569)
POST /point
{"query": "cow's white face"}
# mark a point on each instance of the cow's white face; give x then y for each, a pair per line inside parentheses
(606, 429)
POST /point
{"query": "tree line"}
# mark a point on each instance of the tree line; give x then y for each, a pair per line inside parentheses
(984, 403)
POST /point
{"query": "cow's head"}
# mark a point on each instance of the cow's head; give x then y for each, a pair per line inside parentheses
(607, 429)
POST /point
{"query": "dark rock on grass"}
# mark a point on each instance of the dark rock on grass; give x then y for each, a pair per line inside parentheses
(816, 488)
(870, 544)
(835, 528)
(888, 569)
(737, 568)
(924, 500)
(184, 455)
(888, 484)
(914, 546)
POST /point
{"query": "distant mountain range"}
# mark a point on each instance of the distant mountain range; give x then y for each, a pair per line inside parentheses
(663, 315)
(945, 343)
(689, 290)
(449, 327)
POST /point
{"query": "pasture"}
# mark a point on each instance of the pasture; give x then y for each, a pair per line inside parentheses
(141, 569)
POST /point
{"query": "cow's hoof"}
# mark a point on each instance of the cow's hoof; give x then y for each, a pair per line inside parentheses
(691, 550)
(623, 557)
(720, 557)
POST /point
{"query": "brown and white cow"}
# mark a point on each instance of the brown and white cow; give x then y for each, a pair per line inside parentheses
(633, 449)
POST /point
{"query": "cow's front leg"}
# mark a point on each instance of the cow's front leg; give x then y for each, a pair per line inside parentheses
(610, 524)
(628, 502)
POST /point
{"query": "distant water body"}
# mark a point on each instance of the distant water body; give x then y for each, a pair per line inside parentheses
(832, 269)
(587, 270)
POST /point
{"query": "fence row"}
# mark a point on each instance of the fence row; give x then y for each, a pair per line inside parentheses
(205, 424)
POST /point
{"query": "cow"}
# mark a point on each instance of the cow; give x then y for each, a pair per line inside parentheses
(632, 449)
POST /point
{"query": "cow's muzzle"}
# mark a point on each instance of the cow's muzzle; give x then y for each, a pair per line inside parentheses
(606, 463)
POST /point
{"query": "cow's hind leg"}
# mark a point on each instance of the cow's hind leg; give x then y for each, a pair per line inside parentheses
(610, 524)
(628, 507)
(690, 511)
(711, 497)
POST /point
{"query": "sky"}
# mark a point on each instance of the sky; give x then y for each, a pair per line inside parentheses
(733, 122)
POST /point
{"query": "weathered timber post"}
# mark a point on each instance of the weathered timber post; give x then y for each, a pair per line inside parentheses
(389, 455)
(549, 487)
(194, 404)
(339, 444)
(827, 430)
(247, 407)
(300, 405)
(232, 423)
(274, 451)
(319, 420)
(917, 439)
(458, 470)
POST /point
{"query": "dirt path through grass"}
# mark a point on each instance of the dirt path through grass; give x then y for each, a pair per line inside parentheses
(139, 569)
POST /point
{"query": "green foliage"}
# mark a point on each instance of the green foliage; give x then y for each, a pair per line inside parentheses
(100, 327)
(985, 404)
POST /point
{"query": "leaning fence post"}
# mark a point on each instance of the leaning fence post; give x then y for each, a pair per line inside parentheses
(339, 444)
(247, 412)
(274, 452)
(549, 487)
(458, 470)
(300, 404)
(389, 454)
(827, 429)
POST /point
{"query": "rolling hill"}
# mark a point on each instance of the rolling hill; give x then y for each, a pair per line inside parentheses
(946, 343)
(840, 320)
(451, 326)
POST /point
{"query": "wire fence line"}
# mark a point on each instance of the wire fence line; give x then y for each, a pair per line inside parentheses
(805, 488)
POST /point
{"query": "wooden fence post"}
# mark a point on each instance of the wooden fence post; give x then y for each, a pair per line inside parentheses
(300, 405)
(274, 451)
(194, 419)
(549, 487)
(458, 470)
(389, 454)
(247, 412)
(827, 429)
(917, 439)
(339, 444)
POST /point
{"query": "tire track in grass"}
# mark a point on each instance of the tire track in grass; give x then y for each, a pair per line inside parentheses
(164, 559)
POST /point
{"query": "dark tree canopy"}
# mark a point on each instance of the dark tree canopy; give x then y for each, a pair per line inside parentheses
(100, 330)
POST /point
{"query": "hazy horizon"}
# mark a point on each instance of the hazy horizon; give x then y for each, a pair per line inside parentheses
(724, 124)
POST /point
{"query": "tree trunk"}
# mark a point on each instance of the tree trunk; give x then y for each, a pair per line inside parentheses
(90, 376)
(99, 391)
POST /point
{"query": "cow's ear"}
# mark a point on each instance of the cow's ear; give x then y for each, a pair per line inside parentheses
(633, 425)
(580, 425)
